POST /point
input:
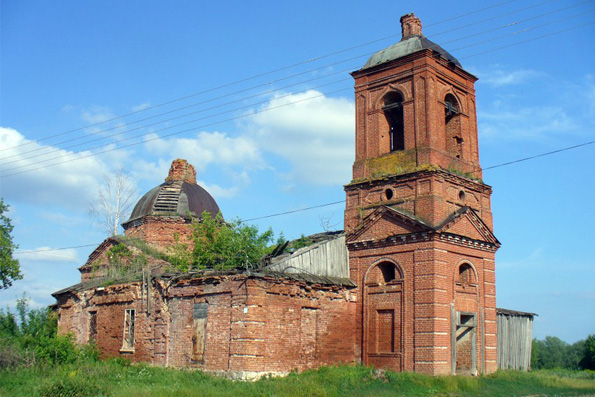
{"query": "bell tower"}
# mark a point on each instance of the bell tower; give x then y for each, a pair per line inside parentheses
(418, 217)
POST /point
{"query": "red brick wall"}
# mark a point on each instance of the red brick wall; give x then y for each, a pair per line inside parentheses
(160, 231)
(429, 195)
(253, 324)
(424, 81)
(429, 269)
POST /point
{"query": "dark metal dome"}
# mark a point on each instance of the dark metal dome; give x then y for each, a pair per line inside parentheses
(411, 42)
(175, 199)
(178, 196)
(405, 47)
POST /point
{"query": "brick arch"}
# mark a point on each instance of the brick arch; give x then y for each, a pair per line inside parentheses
(456, 270)
(399, 274)
(443, 91)
(400, 88)
(383, 314)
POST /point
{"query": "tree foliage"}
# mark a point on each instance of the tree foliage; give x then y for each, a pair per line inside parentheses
(554, 353)
(9, 266)
(588, 359)
(30, 337)
(222, 245)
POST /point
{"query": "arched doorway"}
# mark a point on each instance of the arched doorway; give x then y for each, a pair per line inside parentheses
(383, 316)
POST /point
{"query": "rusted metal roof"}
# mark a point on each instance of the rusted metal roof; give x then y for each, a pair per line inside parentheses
(405, 47)
(509, 312)
(175, 198)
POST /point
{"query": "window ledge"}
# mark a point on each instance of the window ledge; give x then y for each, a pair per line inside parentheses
(127, 350)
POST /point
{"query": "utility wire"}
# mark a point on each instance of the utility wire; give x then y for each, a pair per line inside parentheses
(221, 105)
(336, 202)
(175, 133)
(275, 71)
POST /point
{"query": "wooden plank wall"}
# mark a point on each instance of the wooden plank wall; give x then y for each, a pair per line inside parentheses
(515, 334)
(328, 258)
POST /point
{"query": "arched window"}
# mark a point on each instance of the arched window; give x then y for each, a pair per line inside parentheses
(466, 274)
(393, 110)
(389, 272)
(454, 143)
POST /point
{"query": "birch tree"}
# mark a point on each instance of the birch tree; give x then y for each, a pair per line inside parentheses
(116, 198)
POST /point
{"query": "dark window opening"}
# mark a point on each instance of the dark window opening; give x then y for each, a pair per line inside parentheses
(388, 193)
(453, 126)
(393, 110)
(461, 196)
(451, 107)
(92, 327)
(388, 272)
(466, 275)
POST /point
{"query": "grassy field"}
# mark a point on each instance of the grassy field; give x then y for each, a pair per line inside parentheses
(117, 378)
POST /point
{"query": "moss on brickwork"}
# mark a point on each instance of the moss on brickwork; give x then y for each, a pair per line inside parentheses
(395, 163)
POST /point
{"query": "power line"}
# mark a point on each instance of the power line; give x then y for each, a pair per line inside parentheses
(336, 202)
(275, 71)
(169, 127)
(539, 155)
(174, 133)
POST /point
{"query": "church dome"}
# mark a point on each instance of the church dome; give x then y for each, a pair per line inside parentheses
(413, 41)
(179, 195)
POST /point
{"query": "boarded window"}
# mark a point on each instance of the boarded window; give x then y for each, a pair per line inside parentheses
(199, 332)
(92, 327)
(129, 318)
(309, 333)
(385, 327)
(465, 344)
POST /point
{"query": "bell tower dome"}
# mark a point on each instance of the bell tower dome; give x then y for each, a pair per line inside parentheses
(418, 221)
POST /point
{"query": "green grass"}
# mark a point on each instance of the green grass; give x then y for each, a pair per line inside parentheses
(117, 378)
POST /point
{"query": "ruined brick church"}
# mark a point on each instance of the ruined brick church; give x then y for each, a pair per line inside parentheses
(409, 285)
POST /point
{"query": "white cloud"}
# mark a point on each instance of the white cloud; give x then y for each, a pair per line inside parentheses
(217, 191)
(68, 184)
(501, 122)
(97, 114)
(140, 107)
(47, 254)
(208, 148)
(315, 135)
(499, 76)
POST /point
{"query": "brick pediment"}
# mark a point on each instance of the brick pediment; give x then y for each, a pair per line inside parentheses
(387, 222)
(467, 223)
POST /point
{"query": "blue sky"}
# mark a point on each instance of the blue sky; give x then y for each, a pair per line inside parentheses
(267, 120)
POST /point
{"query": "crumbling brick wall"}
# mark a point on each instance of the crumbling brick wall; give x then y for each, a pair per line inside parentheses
(253, 324)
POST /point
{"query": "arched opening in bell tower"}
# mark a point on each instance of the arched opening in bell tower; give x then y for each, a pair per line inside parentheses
(393, 110)
(452, 121)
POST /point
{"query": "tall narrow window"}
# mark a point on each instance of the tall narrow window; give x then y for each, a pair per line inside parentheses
(393, 110)
(452, 121)
(92, 327)
(199, 331)
(129, 317)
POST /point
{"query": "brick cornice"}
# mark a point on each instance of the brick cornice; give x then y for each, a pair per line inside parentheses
(422, 237)
(416, 175)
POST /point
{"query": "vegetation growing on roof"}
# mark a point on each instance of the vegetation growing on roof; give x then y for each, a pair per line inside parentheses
(221, 245)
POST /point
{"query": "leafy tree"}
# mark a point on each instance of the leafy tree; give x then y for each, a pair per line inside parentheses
(9, 266)
(588, 359)
(225, 245)
(550, 353)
